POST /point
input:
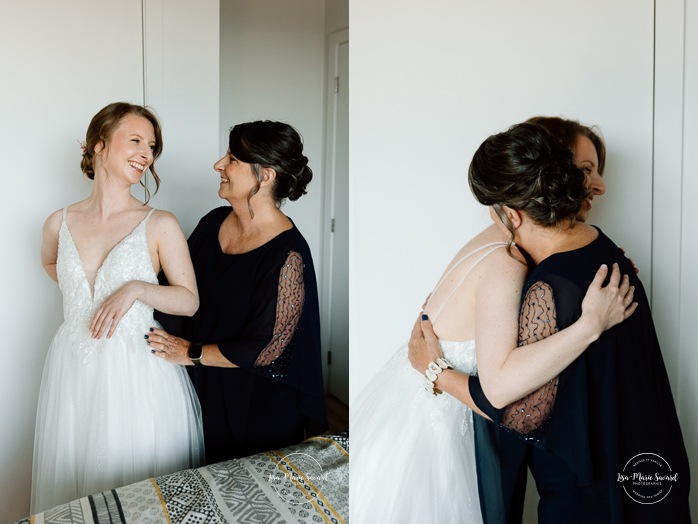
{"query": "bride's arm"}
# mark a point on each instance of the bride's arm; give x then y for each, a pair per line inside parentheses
(180, 297)
(508, 373)
(49, 244)
(424, 348)
(501, 283)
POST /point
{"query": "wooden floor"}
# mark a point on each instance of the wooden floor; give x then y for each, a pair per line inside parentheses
(337, 414)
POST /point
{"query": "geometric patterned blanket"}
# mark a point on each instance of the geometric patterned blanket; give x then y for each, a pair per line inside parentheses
(307, 482)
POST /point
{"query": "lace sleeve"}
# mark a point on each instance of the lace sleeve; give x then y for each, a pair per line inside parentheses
(289, 306)
(537, 321)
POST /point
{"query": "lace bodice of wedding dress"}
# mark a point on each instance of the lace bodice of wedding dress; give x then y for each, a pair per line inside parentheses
(126, 261)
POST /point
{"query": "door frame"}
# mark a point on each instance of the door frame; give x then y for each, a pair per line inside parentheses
(326, 300)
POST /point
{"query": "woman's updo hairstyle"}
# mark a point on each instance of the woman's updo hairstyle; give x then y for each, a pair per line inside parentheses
(569, 131)
(101, 129)
(275, 145)
(527, 169)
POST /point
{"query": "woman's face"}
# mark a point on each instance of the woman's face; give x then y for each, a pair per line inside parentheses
(237, 178)
(586, 159)
(129, 151)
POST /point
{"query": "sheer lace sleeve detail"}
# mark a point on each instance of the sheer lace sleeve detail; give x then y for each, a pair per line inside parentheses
(537, 321)
(289, 306)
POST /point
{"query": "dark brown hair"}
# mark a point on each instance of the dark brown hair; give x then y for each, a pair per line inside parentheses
(569, 130)
(102, 127)
(275, 145)
(527, 169)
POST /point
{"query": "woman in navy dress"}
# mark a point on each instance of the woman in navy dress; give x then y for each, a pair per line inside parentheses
(254, 343)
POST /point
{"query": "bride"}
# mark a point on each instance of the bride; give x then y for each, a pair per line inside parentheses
(110, 413)
(412, 446)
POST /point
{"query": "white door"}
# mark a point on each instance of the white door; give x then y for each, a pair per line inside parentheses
(336, 259)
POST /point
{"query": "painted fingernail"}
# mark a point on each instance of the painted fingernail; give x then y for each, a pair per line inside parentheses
(148, 342)
(425, 317)
(146, 336)
(152, 329)
(152, 351)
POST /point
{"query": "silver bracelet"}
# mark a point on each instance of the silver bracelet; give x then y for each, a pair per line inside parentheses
(431, 374)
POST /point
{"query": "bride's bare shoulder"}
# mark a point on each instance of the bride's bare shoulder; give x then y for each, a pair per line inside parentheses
(491, 235)
(499, 258)
(53, 222)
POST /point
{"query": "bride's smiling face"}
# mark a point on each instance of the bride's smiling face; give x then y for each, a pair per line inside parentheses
(129, 151)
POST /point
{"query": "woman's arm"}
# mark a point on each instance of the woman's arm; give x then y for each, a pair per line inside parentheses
(266, 336)
(180, 297)
(507, 373)
(424, 348)
(176, 350)
(538, 320)
(49, 244)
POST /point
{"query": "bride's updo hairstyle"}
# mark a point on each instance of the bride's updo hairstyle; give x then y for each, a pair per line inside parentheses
(527, 169)
(274, 145)
(101, 129)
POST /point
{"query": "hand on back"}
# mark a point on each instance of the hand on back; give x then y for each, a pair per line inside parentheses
(607, 306)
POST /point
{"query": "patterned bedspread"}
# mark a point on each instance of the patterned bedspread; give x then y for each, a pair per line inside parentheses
(308, 482)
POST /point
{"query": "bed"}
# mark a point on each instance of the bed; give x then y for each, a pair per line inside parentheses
(308, 482)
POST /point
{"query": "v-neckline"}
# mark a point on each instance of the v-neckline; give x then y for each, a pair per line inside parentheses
(91, 288)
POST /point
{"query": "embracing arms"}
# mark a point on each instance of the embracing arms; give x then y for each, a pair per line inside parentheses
(507, 373)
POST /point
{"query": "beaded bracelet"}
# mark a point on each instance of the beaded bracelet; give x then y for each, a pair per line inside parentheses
(433, 370)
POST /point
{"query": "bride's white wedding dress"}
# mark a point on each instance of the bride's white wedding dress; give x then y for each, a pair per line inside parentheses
(413, 454)
(110, 413)
(413, 457)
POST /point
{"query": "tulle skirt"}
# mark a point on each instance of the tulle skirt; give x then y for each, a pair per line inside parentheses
(412, 454)
(110, 413)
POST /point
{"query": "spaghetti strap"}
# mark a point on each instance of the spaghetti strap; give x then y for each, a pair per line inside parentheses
(494, 246)
(65, 212)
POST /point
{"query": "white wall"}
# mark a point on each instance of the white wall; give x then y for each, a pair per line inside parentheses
(336, 16)
(61, 63)
(182, 84)
(272, 67)
(430, 81)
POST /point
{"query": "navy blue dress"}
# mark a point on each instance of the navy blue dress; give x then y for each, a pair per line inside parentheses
(612, 449)
(261, 308)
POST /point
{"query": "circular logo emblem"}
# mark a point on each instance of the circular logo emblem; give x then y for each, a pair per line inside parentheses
(647, 478)
(301, 475)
